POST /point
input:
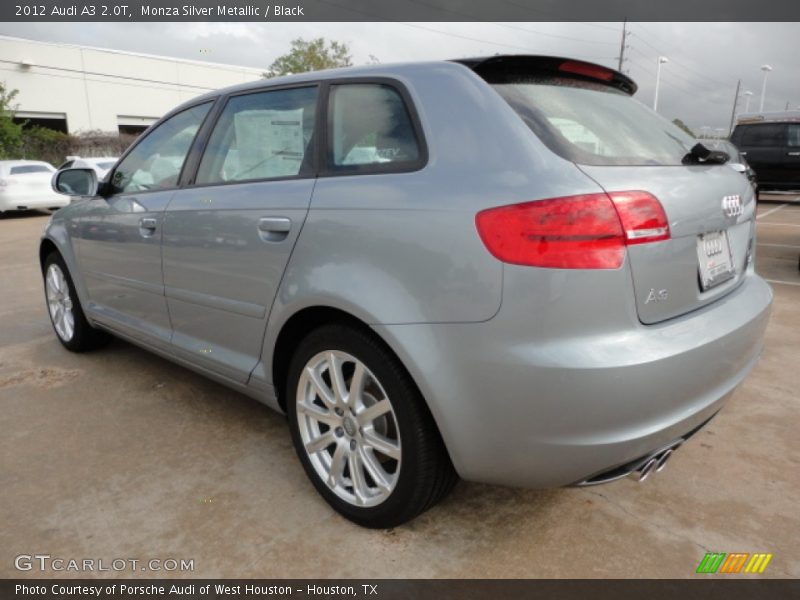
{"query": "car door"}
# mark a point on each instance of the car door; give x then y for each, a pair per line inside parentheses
(228, 236)
(119, 236)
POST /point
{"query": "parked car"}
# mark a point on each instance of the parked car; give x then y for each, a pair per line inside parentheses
(505, 269)
(771, 144)
(101, 165)
(737, 160)
(25, 184)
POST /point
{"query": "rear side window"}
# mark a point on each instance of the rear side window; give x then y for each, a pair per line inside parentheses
(594, 124)
(265, 135)
(767, 134)
(370, 129)
(25, 169)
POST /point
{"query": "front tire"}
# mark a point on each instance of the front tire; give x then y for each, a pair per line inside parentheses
(66, 315)
(362, 430)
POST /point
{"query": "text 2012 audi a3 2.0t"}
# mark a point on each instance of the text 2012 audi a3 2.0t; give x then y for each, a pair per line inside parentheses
(502, 269)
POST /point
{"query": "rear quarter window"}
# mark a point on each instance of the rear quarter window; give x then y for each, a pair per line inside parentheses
(371, 129)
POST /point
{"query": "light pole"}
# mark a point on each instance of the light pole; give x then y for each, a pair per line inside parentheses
(661, 61)
(748, 94)
(766, 69)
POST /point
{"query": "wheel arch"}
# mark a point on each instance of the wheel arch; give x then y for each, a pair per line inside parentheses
(46, 248)
(295, 328)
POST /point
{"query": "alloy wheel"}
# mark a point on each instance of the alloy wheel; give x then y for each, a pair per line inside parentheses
(348, 428)
(59, 302)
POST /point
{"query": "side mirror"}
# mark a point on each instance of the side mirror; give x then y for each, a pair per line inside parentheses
(76, 182)
(738, 167)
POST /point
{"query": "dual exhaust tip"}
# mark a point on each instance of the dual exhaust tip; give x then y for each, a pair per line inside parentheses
(654, 463)
(639, 469)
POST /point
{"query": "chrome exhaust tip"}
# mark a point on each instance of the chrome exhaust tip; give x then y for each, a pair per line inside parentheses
(662, 460)
(654, 463)
(644, 471)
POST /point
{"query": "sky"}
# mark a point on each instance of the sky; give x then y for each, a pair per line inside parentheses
(697, 85)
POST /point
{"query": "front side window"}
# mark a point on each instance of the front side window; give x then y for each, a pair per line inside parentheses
(369, 126)
(767, 134)
(156, 162)
(265, 135)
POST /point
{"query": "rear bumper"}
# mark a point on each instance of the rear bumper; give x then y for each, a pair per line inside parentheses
(519, 409)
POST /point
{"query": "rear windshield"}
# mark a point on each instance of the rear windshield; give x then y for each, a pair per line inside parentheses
(22, 170)
(594, 124)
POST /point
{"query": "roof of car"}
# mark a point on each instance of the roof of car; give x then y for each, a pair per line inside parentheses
(378, 70)
(618, 79)
(784, 116)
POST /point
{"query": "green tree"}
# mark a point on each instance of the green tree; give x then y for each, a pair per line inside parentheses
(10, 132)
(314, 55)
(684, 126)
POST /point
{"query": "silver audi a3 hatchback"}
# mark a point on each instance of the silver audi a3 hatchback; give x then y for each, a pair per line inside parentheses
(505, 269)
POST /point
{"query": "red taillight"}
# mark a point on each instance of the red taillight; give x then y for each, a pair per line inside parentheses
(642, 217)
(587, 70)
(576, 232)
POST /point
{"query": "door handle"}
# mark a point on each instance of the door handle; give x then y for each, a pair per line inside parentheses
(274, 224)
(274, 229)
(743, 153)
(147, 226)
(793, 154)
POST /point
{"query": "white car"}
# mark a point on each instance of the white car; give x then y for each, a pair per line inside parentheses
(101, 165)
(25, 184)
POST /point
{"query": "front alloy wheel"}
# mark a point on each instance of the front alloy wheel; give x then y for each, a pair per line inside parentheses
(59, 302)
(64, 308)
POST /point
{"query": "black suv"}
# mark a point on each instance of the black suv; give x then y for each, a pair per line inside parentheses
(771, 144)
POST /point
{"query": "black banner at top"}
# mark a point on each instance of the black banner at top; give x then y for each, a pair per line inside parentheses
(397, 10)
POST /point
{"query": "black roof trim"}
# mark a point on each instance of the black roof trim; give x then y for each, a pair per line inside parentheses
(496, 68)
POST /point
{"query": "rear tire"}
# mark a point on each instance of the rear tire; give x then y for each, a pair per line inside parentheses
(374, 424)
(66, 315)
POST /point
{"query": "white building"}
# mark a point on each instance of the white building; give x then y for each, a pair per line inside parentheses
(78, 88)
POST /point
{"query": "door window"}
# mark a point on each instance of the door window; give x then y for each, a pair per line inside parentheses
(769, 134)
(155, 163)
(265, 135)
(794, 135)
(370, 128)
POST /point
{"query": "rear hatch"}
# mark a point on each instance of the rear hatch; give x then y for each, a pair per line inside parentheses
(711, 235)
(30, 180)
(585, 113)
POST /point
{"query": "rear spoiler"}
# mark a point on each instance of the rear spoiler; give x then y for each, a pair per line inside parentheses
(506, 68)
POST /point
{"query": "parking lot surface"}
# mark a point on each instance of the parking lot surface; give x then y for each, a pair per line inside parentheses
(121, 454)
